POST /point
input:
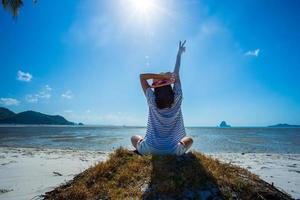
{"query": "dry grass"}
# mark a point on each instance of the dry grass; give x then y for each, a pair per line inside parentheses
(126, 175)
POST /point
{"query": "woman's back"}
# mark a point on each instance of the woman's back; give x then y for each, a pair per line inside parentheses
(165, 127)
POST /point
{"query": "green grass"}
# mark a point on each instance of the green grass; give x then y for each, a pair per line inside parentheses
(127, 175)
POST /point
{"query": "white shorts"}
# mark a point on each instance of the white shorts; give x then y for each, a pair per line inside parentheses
(143, 148)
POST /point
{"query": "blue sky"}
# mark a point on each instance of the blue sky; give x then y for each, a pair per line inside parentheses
(82, 59)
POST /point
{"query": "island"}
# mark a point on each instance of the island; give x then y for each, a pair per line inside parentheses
(284, 126)
(31, 117)
(223, 124)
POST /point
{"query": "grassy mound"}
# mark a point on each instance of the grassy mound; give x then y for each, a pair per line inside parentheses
(127, 175)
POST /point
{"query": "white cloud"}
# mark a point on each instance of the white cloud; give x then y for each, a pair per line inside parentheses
(48, 88)
(9, 102)
(68, 111)
(67, 95)
(31, 98)
(45, 93)
(252, 53)
(24, 76)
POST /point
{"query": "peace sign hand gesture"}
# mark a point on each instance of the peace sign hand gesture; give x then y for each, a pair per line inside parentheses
(181, 47)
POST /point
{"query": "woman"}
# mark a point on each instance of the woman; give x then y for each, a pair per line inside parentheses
(165, 129)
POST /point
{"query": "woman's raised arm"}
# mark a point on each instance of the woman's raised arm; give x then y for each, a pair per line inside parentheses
(181, 49)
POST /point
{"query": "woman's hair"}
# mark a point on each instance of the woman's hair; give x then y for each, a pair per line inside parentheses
(164, 96)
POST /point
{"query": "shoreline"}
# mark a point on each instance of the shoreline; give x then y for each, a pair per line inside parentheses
(26, 173)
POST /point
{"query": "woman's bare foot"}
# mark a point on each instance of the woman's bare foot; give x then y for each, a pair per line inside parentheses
(135, 139)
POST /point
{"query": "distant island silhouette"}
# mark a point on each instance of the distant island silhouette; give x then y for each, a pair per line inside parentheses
(223, 124)
(31, 117)
(284, 126)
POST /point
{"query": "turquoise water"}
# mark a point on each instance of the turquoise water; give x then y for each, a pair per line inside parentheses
(269, 140)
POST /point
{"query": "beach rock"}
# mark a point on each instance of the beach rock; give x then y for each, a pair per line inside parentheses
(263, 167)
(11, 161)
(2, 191)
(223, 124)
(296, 171)
(57, 174)
(83, 159)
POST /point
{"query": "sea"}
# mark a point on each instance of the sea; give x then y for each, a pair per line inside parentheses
(107, 138)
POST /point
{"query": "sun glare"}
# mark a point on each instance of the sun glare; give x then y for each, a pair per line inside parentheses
(143, 15)
(143, 8)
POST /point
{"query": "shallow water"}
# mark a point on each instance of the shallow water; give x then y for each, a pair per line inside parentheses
(210, 139)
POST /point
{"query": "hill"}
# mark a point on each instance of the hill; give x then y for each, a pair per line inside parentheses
(127, 175)
(284, 126)
(31, 117)
(6, 113)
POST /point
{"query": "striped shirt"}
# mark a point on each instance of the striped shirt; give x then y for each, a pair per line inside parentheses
(165, 127)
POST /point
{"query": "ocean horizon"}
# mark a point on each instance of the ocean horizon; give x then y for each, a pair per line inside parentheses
(107, 138)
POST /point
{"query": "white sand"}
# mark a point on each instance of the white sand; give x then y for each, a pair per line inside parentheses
(26, 173)
(283, 170)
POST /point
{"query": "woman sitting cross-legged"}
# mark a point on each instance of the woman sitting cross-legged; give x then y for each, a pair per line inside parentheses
(165, 129)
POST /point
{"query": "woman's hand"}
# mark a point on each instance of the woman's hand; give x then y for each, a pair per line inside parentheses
(170, 76)
(181, 48)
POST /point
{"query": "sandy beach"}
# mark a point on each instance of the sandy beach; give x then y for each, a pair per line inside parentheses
(283, 170)
(26, 173)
